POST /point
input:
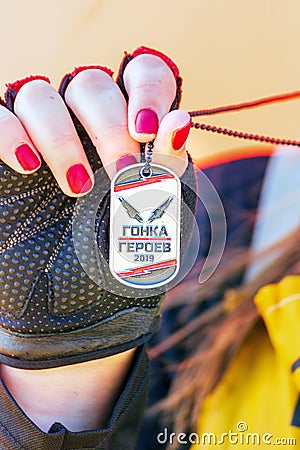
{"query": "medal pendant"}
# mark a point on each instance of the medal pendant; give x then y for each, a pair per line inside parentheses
(145, 226)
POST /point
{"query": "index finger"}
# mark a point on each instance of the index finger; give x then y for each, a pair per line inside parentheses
(98, 103)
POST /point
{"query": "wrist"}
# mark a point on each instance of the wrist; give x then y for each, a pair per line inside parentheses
(80, 396)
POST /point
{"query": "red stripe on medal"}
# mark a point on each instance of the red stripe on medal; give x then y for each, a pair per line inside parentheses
(146, 269)
(142, 182)
(144, 239)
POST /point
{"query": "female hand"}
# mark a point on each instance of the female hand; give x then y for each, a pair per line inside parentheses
(42, 126)
(37, 243)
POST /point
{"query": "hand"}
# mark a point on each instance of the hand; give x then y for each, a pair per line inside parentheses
(37, 243)
(42, 126)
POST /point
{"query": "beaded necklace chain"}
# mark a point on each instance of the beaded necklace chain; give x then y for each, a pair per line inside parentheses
(240, 106)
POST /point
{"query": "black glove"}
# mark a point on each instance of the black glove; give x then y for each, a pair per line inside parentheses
(54, 309)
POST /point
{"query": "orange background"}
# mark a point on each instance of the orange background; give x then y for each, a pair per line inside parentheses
(227, 50)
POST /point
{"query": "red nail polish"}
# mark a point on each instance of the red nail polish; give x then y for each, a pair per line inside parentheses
(27, 158)
(146, 122)
(78, 179)
(124, 161)
(180, 136)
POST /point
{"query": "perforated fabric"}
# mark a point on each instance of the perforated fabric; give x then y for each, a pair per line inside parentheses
(55, 309)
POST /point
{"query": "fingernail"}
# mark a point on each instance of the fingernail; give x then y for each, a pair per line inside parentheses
(146, 122)
(78, 179)
(124, 161)
(180, 136)
(27, 158)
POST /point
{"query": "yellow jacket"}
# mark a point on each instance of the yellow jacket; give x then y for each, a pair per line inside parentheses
(255, 401)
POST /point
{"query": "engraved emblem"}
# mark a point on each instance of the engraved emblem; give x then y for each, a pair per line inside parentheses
(145, 226)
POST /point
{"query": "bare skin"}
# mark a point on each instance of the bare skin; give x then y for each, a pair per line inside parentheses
(80, 396)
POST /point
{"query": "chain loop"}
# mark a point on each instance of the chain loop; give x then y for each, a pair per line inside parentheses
(242, 135)
(245, 105)
(146, 171)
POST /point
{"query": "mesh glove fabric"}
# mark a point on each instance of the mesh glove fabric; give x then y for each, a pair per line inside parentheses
(55, 311)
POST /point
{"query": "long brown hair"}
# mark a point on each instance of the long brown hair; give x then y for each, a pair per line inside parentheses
(216, 334)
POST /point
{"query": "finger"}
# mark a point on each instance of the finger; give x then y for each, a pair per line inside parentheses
(16, 149)
(170, 143)
(100, 106)
(151, 87)
(48, 123)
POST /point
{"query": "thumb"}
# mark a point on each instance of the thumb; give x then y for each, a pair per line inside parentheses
(171, 141)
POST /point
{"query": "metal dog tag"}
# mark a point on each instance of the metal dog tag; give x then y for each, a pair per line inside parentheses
(145, 226)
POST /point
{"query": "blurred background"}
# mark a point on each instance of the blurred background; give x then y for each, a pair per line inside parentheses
(228, 51)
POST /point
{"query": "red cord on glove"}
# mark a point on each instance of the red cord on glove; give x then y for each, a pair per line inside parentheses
(16, 85)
